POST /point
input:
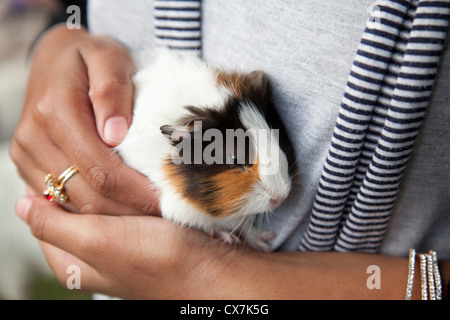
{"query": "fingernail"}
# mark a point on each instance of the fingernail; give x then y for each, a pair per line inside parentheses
(115, 130)
(22, 208)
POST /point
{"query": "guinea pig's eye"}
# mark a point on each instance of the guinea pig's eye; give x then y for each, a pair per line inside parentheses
(232, 159)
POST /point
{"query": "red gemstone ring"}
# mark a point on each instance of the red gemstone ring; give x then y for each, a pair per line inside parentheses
(55, 187)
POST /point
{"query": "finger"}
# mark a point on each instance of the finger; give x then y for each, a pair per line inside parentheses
(100, 241)
(52, 224)
(94, 239)
(98, 164)
(72, 272)
(81, 197)
(57, 90)
(110, 68)
(109, 243)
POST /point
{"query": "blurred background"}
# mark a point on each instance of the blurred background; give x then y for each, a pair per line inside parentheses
(24, 273)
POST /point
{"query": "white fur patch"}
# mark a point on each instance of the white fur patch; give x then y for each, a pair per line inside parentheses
(165, 83)
(275, 182)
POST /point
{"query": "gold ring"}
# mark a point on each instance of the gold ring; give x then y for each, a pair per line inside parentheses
(55, 187)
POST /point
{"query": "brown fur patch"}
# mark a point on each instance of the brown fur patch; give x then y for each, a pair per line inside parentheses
(233, 81)
(178, 181)
(221, 194)
(244, 85)
(233, 185)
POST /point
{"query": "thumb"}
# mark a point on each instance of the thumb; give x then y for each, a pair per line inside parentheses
(114, 129)
(110, 68)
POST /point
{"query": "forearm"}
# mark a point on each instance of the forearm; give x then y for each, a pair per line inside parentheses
(307, 275)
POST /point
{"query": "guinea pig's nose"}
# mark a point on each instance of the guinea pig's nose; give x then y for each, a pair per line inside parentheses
(275, 201)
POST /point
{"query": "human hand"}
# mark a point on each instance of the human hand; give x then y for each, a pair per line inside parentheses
(132, 257)
(78, 105)
(147, 257)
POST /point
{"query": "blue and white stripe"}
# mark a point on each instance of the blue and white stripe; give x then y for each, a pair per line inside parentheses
(178, 24)
(383, 107)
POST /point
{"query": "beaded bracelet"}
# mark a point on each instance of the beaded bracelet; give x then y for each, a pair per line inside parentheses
(423, 276)
(412, 264)
(430, 272)
(431, 285)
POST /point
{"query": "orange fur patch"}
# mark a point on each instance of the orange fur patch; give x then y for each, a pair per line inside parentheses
(176, 180)
(229, 187)
(179, 183)
(234, 184)
(253, 85)
(233, 81)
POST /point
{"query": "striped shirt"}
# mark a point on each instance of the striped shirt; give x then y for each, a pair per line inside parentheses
(353, 125)
(384, 104)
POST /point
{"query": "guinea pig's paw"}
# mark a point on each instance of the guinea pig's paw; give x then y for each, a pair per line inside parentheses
(259, 239)
(267, 236)
(226, 236)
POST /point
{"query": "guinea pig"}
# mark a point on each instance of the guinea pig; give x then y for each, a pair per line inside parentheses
(205, 139)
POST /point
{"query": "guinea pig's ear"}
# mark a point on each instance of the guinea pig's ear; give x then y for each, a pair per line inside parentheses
(258, 82)
(258, 89)
(181, 130)
(167, 130)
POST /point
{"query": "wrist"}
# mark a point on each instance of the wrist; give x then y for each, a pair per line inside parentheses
(204, 273)
(225, 272)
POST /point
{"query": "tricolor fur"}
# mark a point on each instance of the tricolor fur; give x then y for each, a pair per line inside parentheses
(174, 91)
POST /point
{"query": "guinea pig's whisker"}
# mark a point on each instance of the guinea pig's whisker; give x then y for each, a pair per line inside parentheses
(266, 216)
(293, 164)
(260, 220)
(238, 226)
(295, 174)
(247, 226)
